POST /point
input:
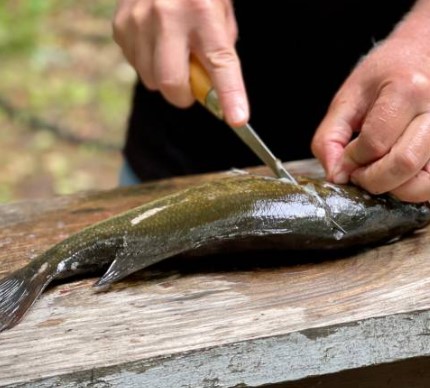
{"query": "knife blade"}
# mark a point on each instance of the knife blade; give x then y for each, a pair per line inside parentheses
(204, 92)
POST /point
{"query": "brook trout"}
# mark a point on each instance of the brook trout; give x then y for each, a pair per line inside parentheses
(239, 212)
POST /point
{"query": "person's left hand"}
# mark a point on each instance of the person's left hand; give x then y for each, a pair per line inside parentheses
(386, 100)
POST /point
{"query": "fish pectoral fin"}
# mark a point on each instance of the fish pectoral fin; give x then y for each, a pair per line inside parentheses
(116, 271)
(123, 266)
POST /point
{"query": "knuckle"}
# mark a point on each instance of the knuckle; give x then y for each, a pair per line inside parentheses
(182, 100)
(201, 6)
(148, 81)
(164, 8)
(175, 88)
(412, 85)
(226, 91)
(169, 84)
(374, 146)
(119, 25)
(405, 163)
(146, 76)
(342, 102)
(137, 15)
(178, 96)
(420, 82)
(317, 145)
(222, 58)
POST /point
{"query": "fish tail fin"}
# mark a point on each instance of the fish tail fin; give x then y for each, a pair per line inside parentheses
(18, 292)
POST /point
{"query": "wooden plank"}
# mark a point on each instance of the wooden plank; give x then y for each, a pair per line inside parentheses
(184, 307)
(259, 362)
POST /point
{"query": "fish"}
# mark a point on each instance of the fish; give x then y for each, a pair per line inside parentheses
(238, 212)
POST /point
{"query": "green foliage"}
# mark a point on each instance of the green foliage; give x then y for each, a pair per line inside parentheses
(20, 22)
(60, 66)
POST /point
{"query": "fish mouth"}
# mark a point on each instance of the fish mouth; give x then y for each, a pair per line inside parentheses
(423, 213)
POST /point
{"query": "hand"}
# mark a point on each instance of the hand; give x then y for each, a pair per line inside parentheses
(386, 100)
(157, 37)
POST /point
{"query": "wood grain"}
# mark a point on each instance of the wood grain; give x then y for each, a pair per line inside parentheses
(187, 305)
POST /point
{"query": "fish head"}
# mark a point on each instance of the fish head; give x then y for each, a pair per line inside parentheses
(422, 213)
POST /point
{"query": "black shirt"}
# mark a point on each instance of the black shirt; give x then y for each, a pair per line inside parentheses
(303, 55)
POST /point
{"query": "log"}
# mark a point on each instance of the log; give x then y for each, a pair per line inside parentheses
(218, 321)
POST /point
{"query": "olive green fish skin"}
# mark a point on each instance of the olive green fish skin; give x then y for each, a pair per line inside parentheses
(261, 211)
(238, 212)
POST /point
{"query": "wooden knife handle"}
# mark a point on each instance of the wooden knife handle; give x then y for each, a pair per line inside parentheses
(201, 84)
(202, 88)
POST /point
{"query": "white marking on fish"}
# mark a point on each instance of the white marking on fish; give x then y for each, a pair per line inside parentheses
(321, 212)
(286, 180)
(310, 188)
(43, 268)
(147, 214)
(74, 266)
(61, 267)
(333, 187)
(338, 234)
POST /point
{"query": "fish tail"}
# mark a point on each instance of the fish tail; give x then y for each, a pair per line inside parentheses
(19, 290)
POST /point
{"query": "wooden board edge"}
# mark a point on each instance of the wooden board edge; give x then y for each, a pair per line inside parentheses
(270, 360)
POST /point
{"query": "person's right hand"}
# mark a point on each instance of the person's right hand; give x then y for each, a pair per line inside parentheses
(158, 36)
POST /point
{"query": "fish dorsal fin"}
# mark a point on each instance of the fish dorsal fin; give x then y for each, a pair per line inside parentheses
(237, 171)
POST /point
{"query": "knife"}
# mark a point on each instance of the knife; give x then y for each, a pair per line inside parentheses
(204, 92)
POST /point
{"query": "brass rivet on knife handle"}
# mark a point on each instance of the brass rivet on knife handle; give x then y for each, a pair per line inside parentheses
(202, 88)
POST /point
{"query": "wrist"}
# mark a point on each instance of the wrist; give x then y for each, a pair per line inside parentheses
(416, 23)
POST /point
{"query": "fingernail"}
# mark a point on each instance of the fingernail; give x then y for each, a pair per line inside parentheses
(341, 178)
(238, 116)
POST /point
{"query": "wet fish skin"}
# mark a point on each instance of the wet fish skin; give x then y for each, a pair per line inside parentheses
(240, 212)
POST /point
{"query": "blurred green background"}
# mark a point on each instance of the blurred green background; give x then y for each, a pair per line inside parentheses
(65, 91)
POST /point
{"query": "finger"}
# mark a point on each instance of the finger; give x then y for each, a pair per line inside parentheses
(405, 159)
(343, 117)
(122, 31)
(215, 49)
(143, 49)
(171, 67)
(385, 122)
(232, 28)
(417, 189)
